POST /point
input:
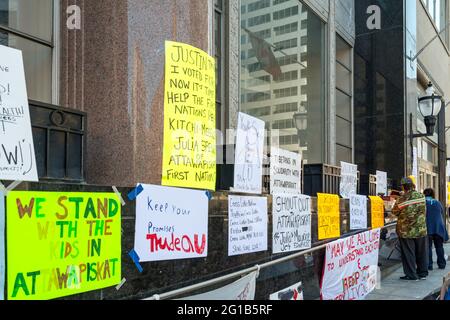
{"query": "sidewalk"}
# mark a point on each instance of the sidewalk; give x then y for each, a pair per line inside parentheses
(392, 288)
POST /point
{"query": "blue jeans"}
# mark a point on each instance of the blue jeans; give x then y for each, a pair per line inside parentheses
(439, 245)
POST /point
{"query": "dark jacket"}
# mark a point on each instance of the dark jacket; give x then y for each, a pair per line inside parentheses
(435, 222)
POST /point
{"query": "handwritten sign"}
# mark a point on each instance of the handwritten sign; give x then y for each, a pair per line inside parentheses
(285, 171)
(351, 267)
(247, 225)
(189, 154)
(328, 216)
(17, 158)
(349, 179)
(377, 206)
(358, 212)
(2, 246)
(291, 222)
(60, 244)
(294, 293)
(171, 224)
(249, 155)
(242, 289)
(381, 182)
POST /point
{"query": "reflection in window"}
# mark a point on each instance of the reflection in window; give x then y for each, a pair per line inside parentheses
(282, 73)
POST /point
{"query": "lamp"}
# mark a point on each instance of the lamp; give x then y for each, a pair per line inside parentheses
(430, 105)
(301, 120)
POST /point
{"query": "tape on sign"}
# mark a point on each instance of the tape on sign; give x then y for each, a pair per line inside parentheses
(209, 195)
(121, 284)
(12, 186)
(134, 256)
(119, 195)
(135, 192)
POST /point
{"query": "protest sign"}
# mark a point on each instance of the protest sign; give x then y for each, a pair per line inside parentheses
(60, 244)
(294, 292)
(285, 171)
(415, 170)
(358, 212)
(377, 210)
(349, 180)
(328, 216)
(249, 155)
(291, 222)
(382, 183)
(242, 289)
(189, 151)
(247, 225)
(171, 224)
(17, 158)
(2, 246)
(351, 266)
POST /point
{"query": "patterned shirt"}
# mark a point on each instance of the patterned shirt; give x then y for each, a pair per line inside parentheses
(411, 212)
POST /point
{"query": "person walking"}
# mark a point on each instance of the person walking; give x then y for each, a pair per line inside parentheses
(412, 231)
(437, 232)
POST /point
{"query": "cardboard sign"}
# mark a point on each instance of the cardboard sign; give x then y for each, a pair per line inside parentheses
(351, 267)
(358, 212)
(247, 225)
(291, 222)
(349, 180)
(242, 289)
(17, 158)
(382, 183)
(249, 155)
(60, 244)
(294, 292)
(2, 246)
(285, 171)
(377, 210)
(189, 154)
(171, 224)
(328, 216)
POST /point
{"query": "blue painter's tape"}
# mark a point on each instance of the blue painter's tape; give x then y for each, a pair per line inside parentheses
(135, 192)
(209, 195)
(134, 256)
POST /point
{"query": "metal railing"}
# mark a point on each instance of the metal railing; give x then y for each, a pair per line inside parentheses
(257, 268)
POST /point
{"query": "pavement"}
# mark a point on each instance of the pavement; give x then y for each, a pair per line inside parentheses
(392, 288)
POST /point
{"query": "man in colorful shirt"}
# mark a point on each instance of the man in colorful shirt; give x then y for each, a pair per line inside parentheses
(410, 210)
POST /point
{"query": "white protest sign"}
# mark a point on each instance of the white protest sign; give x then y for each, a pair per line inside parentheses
(294, 292)
(242, 289)
(349, 179)
(358, 212)
(171, 224)
(285, 171)
(291, 222)
(249, 155)
(381, 182)
(247, 225)
(17, 158)
(351, 266)
(2, 246)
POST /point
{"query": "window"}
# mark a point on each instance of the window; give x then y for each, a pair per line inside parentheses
(293, 74)
(28, 26)
(344, 92)
(437, 10)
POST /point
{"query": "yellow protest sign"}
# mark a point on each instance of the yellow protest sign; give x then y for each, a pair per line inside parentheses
(377, 205)
(328, 216)
(189, 153)
(448, 193)
(60, 244)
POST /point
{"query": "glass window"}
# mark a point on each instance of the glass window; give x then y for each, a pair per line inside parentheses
(28, 26)
(289, 60)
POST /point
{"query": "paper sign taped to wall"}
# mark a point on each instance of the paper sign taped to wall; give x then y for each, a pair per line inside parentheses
(285, 171)
(349, 180)
(377, 210)
(189, 154)
(249, 155)
(382, 183)
(328, 216)
(60, 244)
(358, 212)
(17, 158)
(171, 223)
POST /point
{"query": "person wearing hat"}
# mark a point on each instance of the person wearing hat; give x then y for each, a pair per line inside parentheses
(410, 210)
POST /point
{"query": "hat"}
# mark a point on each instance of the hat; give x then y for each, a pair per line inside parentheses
(407, 181)
(413, 179)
